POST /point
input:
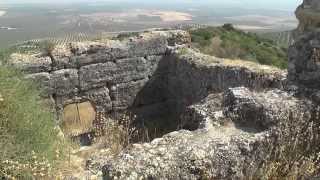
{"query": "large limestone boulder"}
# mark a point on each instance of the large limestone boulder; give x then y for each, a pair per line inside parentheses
(234, 142)
(31, 63)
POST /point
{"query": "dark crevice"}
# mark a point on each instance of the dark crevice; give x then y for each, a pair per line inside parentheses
(154, 106)
(53, 62)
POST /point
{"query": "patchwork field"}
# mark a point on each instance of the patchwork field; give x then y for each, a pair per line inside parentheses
(171, 16)
(263, 22)
(141, 15)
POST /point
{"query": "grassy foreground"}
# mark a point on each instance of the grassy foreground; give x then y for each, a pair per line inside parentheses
(28, 139)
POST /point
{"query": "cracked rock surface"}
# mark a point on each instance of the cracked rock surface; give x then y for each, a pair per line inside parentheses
(230, 145)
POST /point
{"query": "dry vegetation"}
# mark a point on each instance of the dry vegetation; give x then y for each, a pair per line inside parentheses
(296, 154)
(120, 133)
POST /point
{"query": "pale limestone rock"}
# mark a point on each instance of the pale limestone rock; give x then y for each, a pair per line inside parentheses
(65, 81)
(34, 63)
(259, 121)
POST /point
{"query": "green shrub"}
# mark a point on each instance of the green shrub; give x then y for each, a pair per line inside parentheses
(228, 27)
(29, 143)
(123, 36)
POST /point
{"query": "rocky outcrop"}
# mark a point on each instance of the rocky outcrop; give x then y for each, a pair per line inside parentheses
(308, 16)
(232, 143)
(304, 54)
(193, 76)
(304, 61)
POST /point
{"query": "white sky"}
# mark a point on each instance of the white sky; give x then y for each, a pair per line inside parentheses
(268, 4)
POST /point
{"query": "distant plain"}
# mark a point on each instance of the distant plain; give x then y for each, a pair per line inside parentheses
(33, 21)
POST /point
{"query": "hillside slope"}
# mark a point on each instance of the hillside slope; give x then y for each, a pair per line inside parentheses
(283, 38)
(228, 42)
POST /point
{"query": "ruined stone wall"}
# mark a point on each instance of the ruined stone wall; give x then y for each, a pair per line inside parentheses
(183, 79)
(108, 75)
(148, 74)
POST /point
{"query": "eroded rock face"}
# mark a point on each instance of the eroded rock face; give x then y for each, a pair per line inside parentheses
(308, 16)
(304, 61)
(304, 54)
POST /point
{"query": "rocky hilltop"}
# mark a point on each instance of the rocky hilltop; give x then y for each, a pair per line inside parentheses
(154, 74)
(235, 119)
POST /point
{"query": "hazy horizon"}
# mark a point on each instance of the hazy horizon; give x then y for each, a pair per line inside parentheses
(250, 4)
(32, 19)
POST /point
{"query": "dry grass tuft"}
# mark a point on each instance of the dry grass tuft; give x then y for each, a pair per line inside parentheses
(115, 134)
(296, 153)
(119, 134)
